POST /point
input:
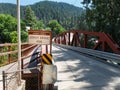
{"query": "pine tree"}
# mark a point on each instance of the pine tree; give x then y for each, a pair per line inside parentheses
(30, 18)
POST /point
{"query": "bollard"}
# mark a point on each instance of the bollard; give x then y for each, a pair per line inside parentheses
(49, 72)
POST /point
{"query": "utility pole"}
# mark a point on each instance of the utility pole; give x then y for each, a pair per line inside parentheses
(19, 41)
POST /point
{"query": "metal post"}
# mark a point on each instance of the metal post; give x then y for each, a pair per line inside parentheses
(85, 41)
(39, 80)
(60, 40)
(64, 41)
(9, 55)
(75, 38)
(103, 46)
(69, 38)
(19, 41)
(3, 73)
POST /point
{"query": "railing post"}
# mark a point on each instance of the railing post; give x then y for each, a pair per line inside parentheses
(64, 41)
(9, 55)
(22, 66)
(103, 46)
(69, 38)
(3, 73)
(75, 38)
(39, 83)
(60, 40)
(85, 41)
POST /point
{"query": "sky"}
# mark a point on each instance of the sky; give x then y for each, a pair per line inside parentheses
(28, 2)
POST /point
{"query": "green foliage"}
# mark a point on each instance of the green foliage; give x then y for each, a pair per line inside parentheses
(81, 22)
(46, 15)
(55, 27)
(30, 18)
(104, 16)
(8, 29)
(7, 25)
(23, 25)
(13, 37)
(5, 36)
(7, 22)
(3, 59)
(65, 14)
(40, 25)
(24, 36)
(7, 8)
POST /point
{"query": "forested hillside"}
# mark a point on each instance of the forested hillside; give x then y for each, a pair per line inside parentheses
(47, 15)
(65, 14)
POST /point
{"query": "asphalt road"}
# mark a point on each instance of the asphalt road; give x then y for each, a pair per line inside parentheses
(79, 72)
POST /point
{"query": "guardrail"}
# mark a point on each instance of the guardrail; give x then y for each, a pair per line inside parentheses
(90, 40)
(11, 82)
(10, 79)
(35, 58)
(109, 57)
(8, 52)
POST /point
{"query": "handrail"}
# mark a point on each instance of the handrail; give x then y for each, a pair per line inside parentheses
(10, 44)
(99, 54)
(28, 48)
(9, 51)
(24, 57)
(15, 51)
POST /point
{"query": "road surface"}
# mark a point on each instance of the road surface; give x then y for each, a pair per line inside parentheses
(78, 72)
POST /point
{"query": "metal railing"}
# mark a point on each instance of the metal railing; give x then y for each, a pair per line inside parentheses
(8, 52)
(109, 57)
(10, 79)
(86, 39)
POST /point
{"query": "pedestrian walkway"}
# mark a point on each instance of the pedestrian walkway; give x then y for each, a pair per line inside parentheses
(13, 67)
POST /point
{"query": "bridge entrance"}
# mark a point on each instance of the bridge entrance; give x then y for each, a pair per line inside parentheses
(34, 65)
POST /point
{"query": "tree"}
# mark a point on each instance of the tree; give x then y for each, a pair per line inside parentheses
(55, 27)
(40, 25)
(8, 29)
(13, 37)
(7, 25)
(30, 18)
(64, 13)
(104, 16)
(81, 22)
(24, 36)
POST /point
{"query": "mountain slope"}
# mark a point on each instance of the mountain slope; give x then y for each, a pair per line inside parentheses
(47, 10)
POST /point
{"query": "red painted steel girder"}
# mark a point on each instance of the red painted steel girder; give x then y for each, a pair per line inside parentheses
(104, 40)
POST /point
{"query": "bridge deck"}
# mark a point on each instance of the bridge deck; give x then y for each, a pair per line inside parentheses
(78, 72)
